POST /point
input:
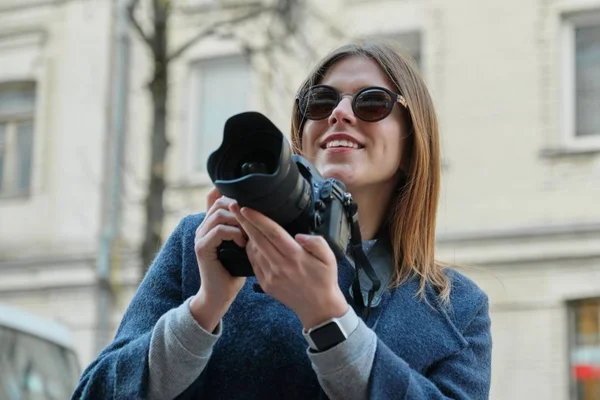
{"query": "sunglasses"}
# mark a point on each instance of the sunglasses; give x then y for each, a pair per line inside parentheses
(370, 104)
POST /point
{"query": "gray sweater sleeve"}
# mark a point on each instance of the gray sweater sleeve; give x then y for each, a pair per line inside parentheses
(179, 350)
(343, 371)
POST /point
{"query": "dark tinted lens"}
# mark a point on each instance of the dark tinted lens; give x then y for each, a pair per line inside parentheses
(318, 102)
(373, 104)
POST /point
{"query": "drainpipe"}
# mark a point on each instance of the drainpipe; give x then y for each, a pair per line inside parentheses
(119, 88)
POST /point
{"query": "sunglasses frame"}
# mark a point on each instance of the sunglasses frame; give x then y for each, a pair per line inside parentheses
(399, 99)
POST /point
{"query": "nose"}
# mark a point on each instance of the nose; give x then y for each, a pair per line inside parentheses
(343, 112)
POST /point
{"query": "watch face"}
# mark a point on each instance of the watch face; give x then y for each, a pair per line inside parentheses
(327, 336)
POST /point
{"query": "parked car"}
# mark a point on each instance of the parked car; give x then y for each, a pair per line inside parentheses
(37, 360)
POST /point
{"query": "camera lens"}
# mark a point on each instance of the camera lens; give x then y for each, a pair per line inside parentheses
(254, 165)
(253, 168)
(258, 162)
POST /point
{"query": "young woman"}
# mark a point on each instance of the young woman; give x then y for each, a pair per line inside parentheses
(192, 331)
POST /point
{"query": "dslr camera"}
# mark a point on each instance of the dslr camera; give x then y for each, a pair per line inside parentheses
(255, 166)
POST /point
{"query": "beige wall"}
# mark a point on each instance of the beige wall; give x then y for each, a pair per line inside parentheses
(48, 241)
(67, 56)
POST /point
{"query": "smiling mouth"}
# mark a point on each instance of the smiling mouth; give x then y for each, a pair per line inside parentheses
(342, 144)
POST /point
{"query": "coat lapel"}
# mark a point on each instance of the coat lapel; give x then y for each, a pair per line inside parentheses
(418, 330)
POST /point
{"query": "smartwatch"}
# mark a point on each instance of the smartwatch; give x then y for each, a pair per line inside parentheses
(331, 332)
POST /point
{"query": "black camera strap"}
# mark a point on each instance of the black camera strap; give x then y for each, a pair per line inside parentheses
(361, 261)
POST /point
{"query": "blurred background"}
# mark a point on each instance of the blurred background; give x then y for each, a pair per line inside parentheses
(110, 108)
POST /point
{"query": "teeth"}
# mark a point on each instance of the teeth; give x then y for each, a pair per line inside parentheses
(342, 143)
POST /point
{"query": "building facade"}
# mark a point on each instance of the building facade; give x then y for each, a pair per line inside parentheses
(517, 88)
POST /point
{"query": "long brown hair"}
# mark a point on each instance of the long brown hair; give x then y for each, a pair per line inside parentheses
(412, 217)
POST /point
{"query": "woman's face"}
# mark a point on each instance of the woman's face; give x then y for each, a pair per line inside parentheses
(376, 162)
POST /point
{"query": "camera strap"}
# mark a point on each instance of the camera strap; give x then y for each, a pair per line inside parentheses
(361, 261)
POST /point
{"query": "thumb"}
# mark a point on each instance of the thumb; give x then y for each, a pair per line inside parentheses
(317, 246)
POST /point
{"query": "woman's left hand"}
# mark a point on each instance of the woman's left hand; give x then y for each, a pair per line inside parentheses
(300, 272)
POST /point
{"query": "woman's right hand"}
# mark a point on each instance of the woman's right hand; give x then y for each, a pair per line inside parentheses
(218, 288)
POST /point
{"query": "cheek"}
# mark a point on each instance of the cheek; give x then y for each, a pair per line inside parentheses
(305, 146)
(395, 146)
(309, 137)
(393, 143)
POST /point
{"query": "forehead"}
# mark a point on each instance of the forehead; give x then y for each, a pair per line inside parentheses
(355, 72)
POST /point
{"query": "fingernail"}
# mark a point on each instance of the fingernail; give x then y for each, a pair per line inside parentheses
(302, 239)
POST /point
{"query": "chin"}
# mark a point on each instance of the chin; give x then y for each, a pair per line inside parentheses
(341, 174)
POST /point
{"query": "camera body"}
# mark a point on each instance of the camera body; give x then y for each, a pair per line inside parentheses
(255, 166)
(325, 215)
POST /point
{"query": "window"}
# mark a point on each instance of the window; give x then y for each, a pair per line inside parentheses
(17, 105)
(220, 89)
(581, 69)
(584, 319)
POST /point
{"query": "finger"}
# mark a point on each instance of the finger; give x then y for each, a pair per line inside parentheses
(269, 252)
(317, 246)
(253, 234)
(222, 202)
(210, 241)
(260, 265)
(218, 213)
(212, 196)
(219, 217)
(279, 238)
(253, 253)
(257, 266)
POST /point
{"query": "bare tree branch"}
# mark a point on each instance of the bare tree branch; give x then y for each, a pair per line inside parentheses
(218, 22)
(228, 6)
(136, 25)
(272, 43)
(212, 28)
(133, 4)
(247, 47)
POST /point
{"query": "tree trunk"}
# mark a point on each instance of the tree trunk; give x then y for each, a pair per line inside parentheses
(154, 208)
(156, 186)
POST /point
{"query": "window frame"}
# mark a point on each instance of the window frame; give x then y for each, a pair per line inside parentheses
(11, 121)
(572, 308)
(192, 174)
(569, 23)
